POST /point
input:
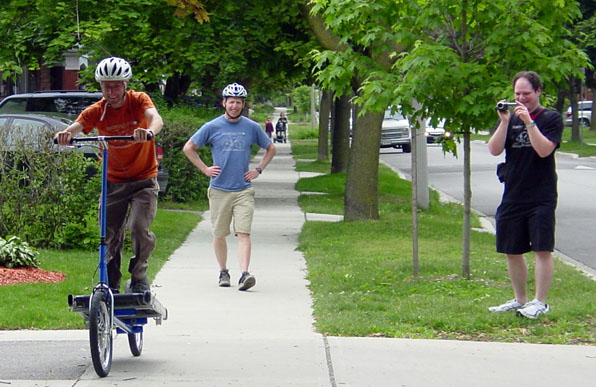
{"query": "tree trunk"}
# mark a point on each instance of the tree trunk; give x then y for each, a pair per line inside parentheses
(467, 205)
(324, 110)
(176, 87)
(341, 135)
(561, 97)
(361, 201)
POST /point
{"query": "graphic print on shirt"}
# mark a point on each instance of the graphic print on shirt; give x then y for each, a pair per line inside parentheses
(123, 129)
(521, 137)
(234, 142)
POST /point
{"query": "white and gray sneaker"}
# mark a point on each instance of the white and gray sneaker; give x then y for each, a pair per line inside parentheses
(511, 305)
(246, 281)
(224, 278)
(533, 309)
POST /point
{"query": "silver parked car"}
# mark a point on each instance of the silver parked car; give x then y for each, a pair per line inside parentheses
(66, 104)
(584, 114)
(29, 129)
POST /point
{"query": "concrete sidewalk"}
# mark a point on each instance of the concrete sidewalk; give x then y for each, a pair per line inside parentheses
(264, 337)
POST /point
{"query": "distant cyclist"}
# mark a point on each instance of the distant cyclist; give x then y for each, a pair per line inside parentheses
(132, 167)
(231, 195)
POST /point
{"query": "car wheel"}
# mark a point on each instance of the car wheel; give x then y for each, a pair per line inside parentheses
(406, 148)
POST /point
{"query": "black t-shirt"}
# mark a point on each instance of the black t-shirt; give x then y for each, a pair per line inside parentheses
(529, 177)
(282, 123)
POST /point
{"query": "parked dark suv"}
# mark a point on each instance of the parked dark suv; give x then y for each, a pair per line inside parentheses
(66, 105)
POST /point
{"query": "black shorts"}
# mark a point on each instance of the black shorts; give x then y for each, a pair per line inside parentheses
(525, 227)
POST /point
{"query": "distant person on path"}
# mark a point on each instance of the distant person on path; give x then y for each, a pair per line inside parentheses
(132, 167)
(268, 127)
(282, 122)
(231, 195)
(526, 216)
(281, 127)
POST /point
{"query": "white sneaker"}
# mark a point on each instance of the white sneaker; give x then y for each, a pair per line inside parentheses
(533, 309)
(511, 305)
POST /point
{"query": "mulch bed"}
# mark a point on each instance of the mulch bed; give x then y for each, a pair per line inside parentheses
(21, 275)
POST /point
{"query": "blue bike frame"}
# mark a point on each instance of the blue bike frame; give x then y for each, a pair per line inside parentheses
(103, 267)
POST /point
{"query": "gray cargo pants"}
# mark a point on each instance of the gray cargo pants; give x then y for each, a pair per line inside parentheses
(131, 205)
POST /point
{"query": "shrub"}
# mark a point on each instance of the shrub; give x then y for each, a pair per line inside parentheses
(47, 197)
(186, 182)
(16, 253)
(305, 134)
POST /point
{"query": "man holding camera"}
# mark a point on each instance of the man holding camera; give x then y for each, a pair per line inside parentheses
(529, 135)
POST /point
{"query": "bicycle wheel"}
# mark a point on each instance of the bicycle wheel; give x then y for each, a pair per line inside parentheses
(135, 342)
(100, 335)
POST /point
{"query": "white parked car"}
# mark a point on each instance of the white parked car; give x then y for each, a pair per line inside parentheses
(396, 131)
(434, 133)
(584, 114)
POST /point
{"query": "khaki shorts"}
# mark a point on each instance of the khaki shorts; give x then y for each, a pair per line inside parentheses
(225, 206)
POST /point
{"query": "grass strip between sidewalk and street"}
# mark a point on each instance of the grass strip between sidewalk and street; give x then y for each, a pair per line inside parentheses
(44, 305)
(361, 279)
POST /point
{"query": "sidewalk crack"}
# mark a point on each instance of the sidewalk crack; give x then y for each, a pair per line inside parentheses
(329, 362)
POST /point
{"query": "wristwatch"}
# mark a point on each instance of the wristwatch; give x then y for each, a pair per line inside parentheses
(259, 170)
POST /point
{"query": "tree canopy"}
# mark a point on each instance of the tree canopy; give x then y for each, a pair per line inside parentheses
(208, 43)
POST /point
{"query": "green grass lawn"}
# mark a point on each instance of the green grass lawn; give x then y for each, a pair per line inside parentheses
(361, 279)
(44, 306)
(587, 147)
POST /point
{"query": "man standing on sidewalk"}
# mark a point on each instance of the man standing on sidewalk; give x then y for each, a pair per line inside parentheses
(231, 195)
(526, 216)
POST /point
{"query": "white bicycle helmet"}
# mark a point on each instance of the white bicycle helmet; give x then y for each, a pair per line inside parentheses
(113, 69)
(234, 90)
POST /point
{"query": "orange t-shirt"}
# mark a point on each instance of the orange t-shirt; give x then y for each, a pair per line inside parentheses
(127, 161)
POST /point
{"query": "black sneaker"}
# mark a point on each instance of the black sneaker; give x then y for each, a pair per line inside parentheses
(137, 286)
(224, 278)
(247, 281)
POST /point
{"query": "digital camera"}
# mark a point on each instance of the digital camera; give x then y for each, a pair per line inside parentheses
(503, 105)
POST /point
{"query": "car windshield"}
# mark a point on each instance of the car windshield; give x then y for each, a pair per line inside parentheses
(393, 116)
(66, 105)
(14, 105)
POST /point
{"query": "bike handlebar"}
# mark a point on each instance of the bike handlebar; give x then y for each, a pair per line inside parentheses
(103, 138)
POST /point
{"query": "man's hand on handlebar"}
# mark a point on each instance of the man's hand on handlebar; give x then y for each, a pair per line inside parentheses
(63, 138)
(142, 135)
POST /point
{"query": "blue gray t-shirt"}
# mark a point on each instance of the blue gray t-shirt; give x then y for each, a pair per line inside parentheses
(231, 146)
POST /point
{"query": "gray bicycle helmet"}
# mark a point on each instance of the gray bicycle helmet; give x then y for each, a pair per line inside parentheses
(234, 90)
(113, 69)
